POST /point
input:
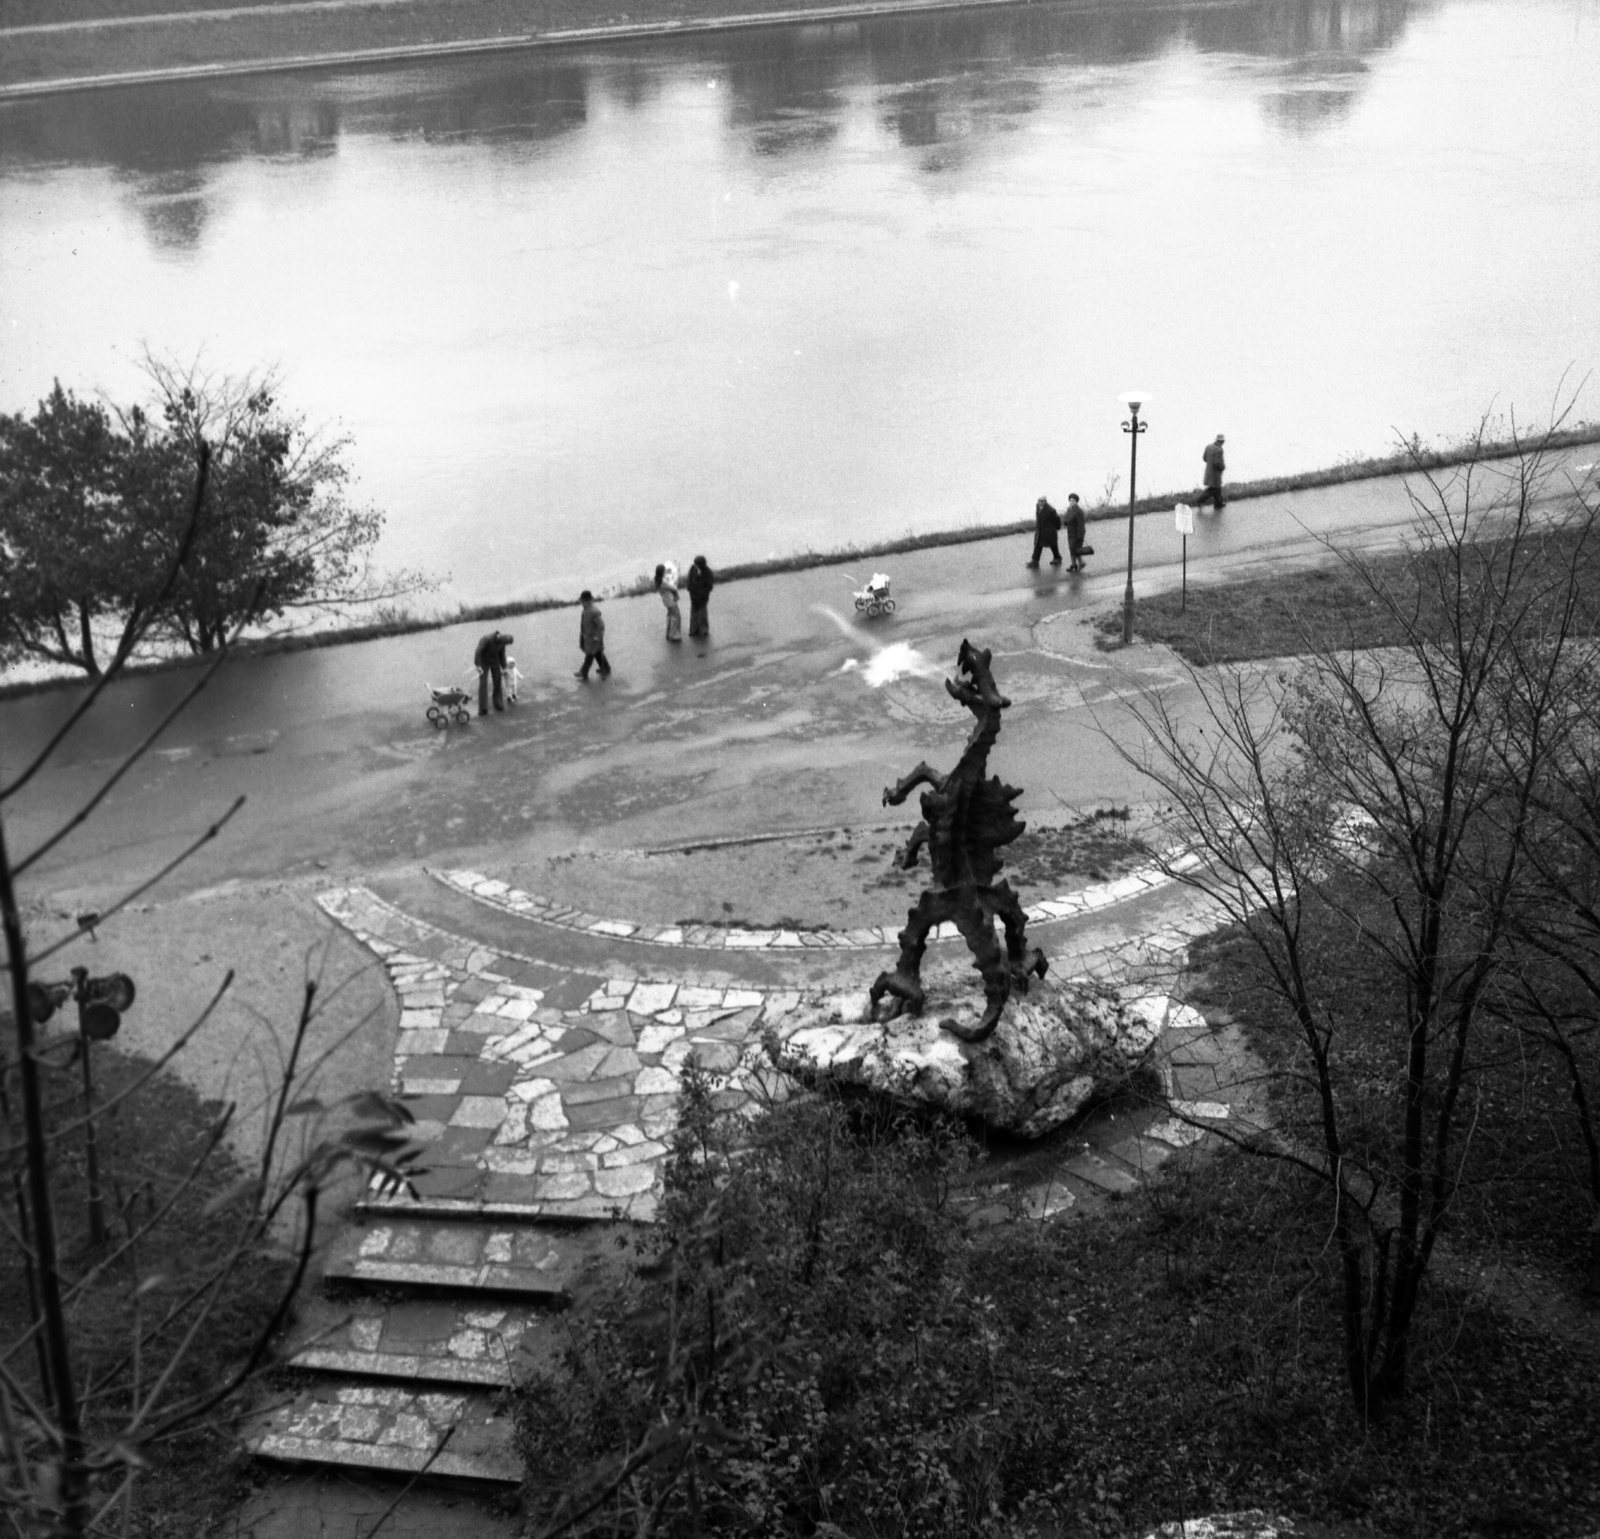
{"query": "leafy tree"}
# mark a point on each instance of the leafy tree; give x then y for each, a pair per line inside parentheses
(100, 546)
(279, 532)
(69, 559)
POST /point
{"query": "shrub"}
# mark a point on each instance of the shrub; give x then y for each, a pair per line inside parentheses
(805, 1344)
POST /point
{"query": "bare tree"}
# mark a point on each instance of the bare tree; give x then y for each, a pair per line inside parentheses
(72, 1446)
(1380, 806)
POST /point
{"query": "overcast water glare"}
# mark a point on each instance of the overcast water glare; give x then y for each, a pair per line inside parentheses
(804, 287)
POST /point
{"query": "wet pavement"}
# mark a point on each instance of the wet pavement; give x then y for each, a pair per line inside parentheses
(793, 715)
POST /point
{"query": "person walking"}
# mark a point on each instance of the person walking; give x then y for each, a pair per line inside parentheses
(489, 658)
(700, 583)
(1076, 525)
(667, 587)
(1046, 524)
(592, 637)
(1214, 468)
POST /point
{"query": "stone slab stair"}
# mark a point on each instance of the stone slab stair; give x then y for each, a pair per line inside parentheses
(421, 1325)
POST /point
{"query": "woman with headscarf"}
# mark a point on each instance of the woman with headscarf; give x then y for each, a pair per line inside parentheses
(667, 587)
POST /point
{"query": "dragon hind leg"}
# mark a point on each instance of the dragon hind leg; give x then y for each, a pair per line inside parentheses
(976, 925)
(904, 984)
(1023, 961)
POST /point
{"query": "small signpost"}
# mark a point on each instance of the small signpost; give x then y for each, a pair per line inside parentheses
(1183, 515)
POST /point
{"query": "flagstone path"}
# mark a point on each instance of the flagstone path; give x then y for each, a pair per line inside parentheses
(546, 1095)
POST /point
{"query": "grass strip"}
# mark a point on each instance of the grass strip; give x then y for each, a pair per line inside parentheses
(1290, 614)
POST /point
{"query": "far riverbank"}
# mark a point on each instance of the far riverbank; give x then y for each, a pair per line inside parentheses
(1412, 461)
(107, 43)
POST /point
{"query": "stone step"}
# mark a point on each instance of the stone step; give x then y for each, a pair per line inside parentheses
(392, 1428)
(602, 1210)
(533, 1262)
(1105, 1175)
(481, 1342)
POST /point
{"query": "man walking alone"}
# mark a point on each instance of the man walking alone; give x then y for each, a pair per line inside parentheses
(1214, 468)
(592, 637)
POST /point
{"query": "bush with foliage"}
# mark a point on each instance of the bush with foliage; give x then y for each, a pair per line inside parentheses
(807, 1346)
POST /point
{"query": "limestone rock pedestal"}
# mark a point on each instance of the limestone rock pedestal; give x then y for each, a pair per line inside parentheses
(1055, 1049)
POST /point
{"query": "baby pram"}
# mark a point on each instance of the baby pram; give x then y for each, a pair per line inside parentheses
(448, 703)
(874, 599)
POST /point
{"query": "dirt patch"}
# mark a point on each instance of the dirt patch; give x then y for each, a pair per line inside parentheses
(840, 879)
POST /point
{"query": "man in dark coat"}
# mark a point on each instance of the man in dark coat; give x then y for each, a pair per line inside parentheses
(490, 660)
(1046, 523)
(1214, 468)
(1076, 526)
(592, 637)
(699, 583)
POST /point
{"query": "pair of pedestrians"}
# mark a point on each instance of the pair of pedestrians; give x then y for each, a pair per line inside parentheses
(700, 583)
(1047, 525)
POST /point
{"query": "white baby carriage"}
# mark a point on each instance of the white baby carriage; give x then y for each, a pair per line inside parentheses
(874, 599)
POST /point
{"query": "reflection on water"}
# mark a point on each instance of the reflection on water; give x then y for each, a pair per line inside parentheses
(945, 78)
(759, 290)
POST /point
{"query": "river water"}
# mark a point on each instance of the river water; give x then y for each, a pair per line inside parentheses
(751, 293)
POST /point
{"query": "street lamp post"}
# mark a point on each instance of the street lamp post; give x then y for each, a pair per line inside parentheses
(1133, 400)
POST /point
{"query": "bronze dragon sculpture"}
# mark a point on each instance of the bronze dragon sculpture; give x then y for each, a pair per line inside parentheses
(966, 818)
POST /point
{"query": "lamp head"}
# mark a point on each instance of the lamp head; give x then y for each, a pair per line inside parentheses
(1134, 399)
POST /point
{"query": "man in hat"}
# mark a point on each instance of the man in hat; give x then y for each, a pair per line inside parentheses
(592, 637)
(1046, 525)
(489, 658)
(1214, 468)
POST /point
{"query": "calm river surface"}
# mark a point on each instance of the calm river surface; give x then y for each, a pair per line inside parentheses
(795, 287)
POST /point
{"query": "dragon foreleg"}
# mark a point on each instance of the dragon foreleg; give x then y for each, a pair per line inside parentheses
(923, 774)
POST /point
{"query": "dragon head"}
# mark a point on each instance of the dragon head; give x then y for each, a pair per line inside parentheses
(974, 685)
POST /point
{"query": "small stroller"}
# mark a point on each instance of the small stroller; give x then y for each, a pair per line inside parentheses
(448, 703)
(874, 600)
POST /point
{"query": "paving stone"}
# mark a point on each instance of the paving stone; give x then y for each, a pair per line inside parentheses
(459, 1144)
(655, 1039)
(607, 1114)
(716, 1057)
(656, 1081)
(479, 1111)
(649, 998)
(409, 1043)
(616, 1028)
(579, 1065)
(624, 1180)
(619, 1061)
(488, 1079)
(580, 1092)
